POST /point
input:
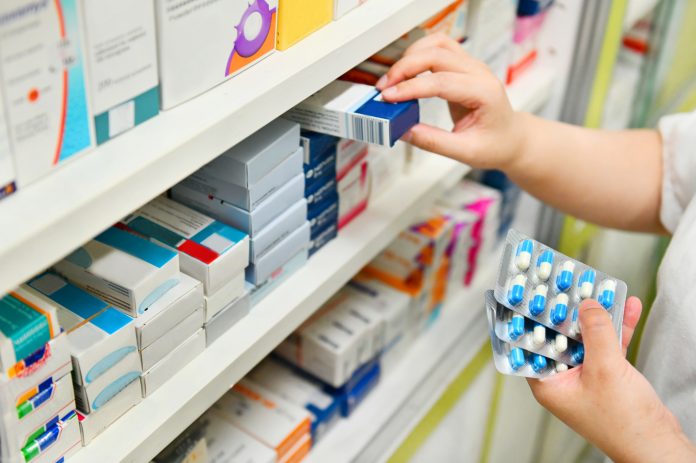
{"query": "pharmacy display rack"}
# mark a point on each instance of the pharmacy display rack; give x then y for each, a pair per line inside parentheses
(49, 219)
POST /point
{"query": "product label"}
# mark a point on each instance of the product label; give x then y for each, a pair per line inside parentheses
(24, 324)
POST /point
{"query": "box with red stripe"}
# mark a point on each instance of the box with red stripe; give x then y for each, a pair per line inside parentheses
(209, 251)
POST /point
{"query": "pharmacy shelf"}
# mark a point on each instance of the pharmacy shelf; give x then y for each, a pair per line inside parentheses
(637, 10)
(533, 89)
(48, 219)
(406, 393)
(142, 432)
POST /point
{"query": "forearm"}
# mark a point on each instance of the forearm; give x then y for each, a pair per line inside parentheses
(609, 178)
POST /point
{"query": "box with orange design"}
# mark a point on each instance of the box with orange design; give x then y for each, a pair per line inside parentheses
(265, 416)
(202, 43)
(299, 18)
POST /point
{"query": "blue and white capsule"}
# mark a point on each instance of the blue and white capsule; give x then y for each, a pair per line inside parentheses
(578, 353)
(564, 279)
(516, 358)
(523, 255)
(607, 294)
(574, 325)
(560, 343)
(516, 291)
(516, 327)
(539, 363)
(538, 335)
(560, 309)
(544, 265)
(586, 283)
(537, 304)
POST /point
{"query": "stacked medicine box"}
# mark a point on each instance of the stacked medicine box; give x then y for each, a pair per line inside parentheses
(258, 187)
(37, 405)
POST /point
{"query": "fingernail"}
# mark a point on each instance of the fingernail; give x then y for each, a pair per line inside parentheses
(390, 93)
(382, 82)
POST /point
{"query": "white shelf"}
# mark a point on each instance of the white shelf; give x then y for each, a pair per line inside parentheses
(150, 426)
(637, 10)
(50, 218)
(533, 89)
(406, 393)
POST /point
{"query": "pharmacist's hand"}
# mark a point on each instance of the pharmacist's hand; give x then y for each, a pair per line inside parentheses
(607, 400)
(487, 132)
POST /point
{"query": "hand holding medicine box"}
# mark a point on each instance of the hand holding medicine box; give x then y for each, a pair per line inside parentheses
(209, 251)
(357, 112)
(123, 269)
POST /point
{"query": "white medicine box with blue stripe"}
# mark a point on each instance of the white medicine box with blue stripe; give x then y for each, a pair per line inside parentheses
(100, 336)
(209, 251)
(125, 270)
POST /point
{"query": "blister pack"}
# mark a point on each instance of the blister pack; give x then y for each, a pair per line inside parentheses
(547, 287)
(519, 331)
(516, 361)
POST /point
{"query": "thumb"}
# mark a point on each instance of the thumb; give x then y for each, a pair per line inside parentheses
(602, 346)
(437, 140)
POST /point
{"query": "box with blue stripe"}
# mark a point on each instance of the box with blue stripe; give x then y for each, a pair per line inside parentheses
(209, 251)
(100, 336)
(357, 112)
(123, 269)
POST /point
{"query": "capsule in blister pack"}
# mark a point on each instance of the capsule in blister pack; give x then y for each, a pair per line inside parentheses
(519, 331)
(516, 361)
(546, 286)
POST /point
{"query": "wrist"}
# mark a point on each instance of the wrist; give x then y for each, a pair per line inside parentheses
(520, 140)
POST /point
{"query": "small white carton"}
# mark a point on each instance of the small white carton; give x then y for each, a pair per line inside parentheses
(226, 318)
(275, 422)
(91, 425)
(290, 220)
(233, 290)
(159, 349)
(278, 255)
(174, 361)
(99, 335)
(123, 269)
(209, 251)
(229, 444)
(169, 310)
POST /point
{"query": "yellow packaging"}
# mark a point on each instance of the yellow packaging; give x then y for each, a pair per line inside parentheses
(299, 18)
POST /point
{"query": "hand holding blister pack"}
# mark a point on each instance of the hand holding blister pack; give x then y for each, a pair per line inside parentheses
(533, 311)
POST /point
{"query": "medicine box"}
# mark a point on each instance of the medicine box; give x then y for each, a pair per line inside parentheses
(342, 7)
(123, 269)
(246, 197)
(162, 346)
(358, 387)
(28, 320)
(299, 18)
(299, 451)
(258, 292)
(279, 229)
(227, 443)
(234, 289)
(188, 447)
(353, 193)
(174, 361)
(300, 390)
(357, 112)
(322, 238)
(7, 169)
(99, 335)
(349, 153)
(226, 319)
(323, 215)
(203, 43)
(91, 425)
(278, 255)
(57, 443)
(322, 171)
(121, 56)
(43, 80)
(316, 147)
(321, 192)
(275, 422)
(92, 396)
(209, 251)
(169, 310)
(250, 222)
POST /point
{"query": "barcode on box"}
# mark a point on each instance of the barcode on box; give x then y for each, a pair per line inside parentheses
(368, 129)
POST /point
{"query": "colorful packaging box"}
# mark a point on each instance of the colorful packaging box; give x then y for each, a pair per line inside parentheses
(174, 361)
(249, 222)
(299, 18)
(275, 422)
(209, 251)
(353, 193)
(278, 255)
(364, 380)
(322, 238)
(100, 336)
(203, 43)
(43, 79)
(28, 320)
(356, 112)
(121, 56)
(92, 424)
(323, 215)
(226, 319)
(317, 147)
(57, 443)
(169, 310)
(123, 269)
